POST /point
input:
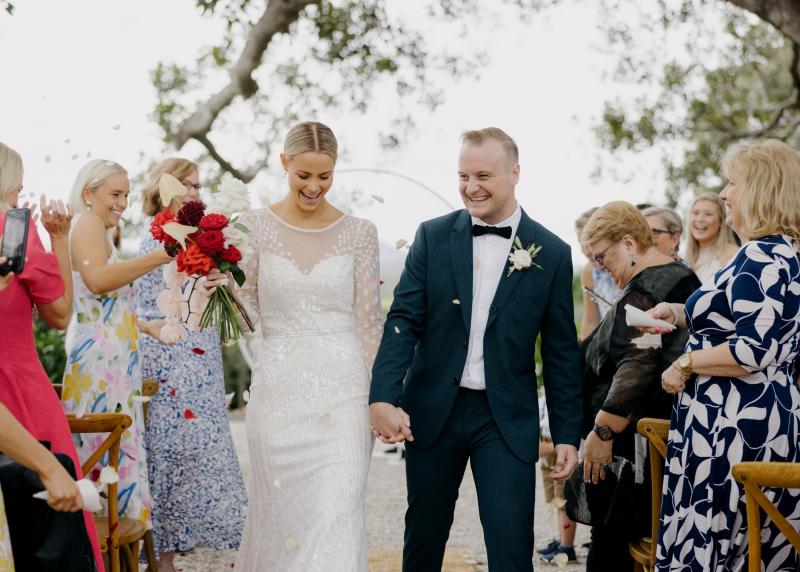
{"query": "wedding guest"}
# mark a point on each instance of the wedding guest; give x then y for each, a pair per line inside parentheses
(46, 284)
(103, 361)
(667, 229)
(314, 283)
(599, 290)
(622, 367)
(737, 399)
(198, 493)
(710, 243)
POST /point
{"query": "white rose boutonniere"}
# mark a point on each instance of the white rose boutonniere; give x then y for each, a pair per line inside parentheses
(521, 258)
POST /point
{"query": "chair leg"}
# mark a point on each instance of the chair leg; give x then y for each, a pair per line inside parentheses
(149, 549)
(128, 563)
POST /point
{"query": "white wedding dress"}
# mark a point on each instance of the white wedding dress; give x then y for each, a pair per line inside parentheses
(316, 293)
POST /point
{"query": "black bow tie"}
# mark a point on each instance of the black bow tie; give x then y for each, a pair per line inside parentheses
(480, 230)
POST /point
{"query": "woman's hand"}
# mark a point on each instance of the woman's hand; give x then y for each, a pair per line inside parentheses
(153, 329)
(4, 280)
(596, 453)
(63, 493)
(670, 313)
(213, 280)
(56, 217)
(673, 380)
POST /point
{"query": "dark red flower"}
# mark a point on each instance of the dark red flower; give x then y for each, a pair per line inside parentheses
(198, 351)
(95, 474)
(210, 241)
(189, 414)
(191, 213)
(159, 221)
(230, 254)
(213, 221)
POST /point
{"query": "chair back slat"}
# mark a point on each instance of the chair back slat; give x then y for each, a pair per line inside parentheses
(753, 476)
(656, 432)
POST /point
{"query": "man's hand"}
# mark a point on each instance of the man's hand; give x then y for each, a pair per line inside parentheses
(566, 461)
(390, 424)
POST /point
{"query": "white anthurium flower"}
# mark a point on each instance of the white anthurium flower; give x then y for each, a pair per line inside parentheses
(108, 476)
(179, 231)
(168, 188)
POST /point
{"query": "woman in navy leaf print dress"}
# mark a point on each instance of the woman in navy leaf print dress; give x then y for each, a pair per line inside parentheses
(199, 497)
(737, 398)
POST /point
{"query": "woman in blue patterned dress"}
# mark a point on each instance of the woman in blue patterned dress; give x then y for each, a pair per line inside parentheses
(737, 399)
(198, 493)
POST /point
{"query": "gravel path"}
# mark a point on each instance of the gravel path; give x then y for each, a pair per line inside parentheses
(386, 503)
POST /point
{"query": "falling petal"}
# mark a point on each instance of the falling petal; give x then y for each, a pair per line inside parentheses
(290, 543)
(47, 158)
(140, 398)
(276, 483)
(377, 198)
(189, 414)
(559, 503)
(246, 395)
(173, 392)
(88, 154)
(561, 560)
(75, 157)
(400, 243)
(86, 263)
(396, 330)
(380, 283)
(66, 141)
(326, 417)
(81, 409)
(229, 397)
(108, 476)
(198, 351)
(456, 301)
(116, 127)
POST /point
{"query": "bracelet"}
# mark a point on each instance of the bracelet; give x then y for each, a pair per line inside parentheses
(684, 375)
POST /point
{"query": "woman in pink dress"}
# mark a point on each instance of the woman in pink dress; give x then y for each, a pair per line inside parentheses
(45, 282)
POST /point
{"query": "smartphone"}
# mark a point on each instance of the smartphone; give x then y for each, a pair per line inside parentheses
(15, 240)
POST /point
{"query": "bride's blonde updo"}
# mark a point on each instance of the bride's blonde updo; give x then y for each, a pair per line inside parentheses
(310, 137)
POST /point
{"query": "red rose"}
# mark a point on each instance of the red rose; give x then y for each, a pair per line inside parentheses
(210, 241)
(213, 221)
(193, 261)
(230, 254)
(159, 221)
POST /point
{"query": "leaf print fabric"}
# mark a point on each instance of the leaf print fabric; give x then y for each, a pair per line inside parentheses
(753, 305)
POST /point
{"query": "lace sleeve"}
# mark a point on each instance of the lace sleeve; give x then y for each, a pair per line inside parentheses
(248, 292)
(366, 296)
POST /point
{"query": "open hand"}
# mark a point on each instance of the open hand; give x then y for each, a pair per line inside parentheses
(390, 424)
(56, 217)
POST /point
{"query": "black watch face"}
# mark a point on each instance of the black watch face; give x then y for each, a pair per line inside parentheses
(604, 433)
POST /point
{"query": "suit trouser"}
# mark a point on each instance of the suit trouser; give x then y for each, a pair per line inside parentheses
(504, 483)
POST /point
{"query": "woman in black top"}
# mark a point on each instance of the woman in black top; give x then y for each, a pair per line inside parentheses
(622, 366)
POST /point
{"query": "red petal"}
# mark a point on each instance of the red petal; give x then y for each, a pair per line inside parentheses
(189, 414)
(173, 391)
(95, 474)
(198, 351)
(381, 283)
(162, 381)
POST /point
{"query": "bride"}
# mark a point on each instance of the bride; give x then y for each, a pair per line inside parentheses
(313, 281)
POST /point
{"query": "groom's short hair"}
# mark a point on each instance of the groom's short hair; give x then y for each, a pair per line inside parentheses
(480, 136)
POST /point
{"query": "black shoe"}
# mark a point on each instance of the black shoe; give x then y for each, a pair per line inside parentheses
(552, 547)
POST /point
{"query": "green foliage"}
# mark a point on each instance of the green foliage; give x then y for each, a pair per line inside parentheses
(8, 7)
(50, 347)
(726, 77)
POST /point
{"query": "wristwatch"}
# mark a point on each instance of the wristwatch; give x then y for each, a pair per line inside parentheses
(684, 363)
(605, 433)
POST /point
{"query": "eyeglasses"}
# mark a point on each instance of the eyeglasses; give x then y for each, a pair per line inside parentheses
(599, 258)
(657, 231)
(189, 186)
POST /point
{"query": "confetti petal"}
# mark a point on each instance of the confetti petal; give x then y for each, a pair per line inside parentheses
(290, 543)
(246, 395)
(377, 198)
(81, 409)
(559, 503)
(86, 263)
(47, 158)
(400, 243)
(276, 483)
(75, 157)
(108, 476)
(456, 301)
(189, 414)
(198, 351)
(396, 330)
(173, 391)
(66, 141)
(229, 397)
(561, 560)
(140, 398)
(116, 127)
(88, 154)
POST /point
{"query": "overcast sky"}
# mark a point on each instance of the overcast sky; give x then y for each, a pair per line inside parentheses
(75, 81)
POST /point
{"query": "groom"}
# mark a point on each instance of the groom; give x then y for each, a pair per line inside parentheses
(455, 373)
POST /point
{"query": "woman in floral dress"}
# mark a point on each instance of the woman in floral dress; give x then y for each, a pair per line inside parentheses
(737, 399)
(103, 363)
(198, 492)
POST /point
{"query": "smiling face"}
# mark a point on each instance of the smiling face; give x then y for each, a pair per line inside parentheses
(310, 178)
(730, 197)
(110, 199)
(665, 242)
(704, 222)
(615, 257)
(487, 180)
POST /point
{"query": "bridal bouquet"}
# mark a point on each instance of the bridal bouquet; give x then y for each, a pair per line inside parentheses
(202, 239)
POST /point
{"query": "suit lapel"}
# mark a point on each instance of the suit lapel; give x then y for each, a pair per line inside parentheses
(461, 258)
(527, 235)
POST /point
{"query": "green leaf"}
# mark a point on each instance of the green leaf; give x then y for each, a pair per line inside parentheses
(238, 275)
(241, 227)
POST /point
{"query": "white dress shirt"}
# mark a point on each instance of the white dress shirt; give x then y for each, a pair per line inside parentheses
(490, 260)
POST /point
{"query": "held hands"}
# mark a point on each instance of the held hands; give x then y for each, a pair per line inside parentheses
(56, 217)
(390, 424)
(566, 461)
(64, 495)
(596, 454)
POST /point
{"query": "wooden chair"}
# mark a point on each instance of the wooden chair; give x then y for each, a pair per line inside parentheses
(129, 531)
(643, 551)
(149, 389)
(753, 476)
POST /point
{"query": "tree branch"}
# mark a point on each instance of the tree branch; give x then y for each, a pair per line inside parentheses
(784, 15)
(214, 154)
(276, 19)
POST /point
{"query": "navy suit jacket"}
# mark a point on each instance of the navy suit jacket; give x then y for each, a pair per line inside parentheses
(424, 346)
